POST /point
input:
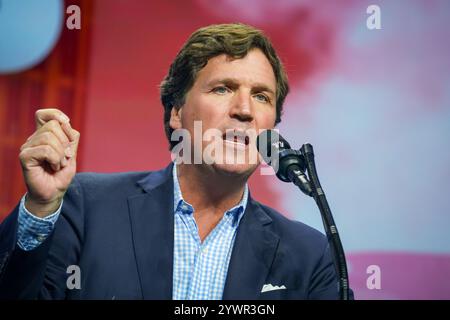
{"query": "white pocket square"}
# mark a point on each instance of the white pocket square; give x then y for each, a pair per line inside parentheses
(270, 287)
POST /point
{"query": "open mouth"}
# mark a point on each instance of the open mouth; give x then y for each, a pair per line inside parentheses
(237, 137)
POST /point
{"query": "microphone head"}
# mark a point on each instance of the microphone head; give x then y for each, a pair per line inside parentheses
(277, 153)
(269, 144)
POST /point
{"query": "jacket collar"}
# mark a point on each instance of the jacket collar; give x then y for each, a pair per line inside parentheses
(153, 231)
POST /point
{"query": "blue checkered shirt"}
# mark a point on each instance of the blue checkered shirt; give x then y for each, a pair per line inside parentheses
(199, 268)
(32, 230)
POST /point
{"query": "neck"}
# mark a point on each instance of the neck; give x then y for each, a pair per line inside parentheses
(209, 190)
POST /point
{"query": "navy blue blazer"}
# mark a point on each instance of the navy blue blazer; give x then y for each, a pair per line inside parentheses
(119, 229)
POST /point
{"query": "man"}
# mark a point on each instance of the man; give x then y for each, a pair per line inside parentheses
(190, 231)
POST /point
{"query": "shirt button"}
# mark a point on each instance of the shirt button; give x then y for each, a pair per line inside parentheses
(40, 238)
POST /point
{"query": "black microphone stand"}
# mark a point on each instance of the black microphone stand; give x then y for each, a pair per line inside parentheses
(290, 166)
(328, 221)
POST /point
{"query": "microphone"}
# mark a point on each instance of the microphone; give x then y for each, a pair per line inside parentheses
(289, 164)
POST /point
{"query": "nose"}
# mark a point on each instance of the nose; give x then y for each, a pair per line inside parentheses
(242, 108)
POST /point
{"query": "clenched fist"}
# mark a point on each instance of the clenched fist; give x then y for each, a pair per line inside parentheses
(48, 160)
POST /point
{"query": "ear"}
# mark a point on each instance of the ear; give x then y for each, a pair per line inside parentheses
(175, 118)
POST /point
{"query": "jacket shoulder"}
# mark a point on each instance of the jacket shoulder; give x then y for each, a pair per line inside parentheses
(98, 183)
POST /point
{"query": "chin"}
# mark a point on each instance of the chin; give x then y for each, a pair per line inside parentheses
(237, 170)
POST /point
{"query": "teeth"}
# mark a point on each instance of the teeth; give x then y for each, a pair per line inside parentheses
(236, 137)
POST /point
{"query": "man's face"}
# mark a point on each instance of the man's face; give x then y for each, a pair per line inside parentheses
(232, 96)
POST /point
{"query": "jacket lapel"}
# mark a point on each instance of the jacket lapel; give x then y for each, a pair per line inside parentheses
(253, 253)
(152, 223)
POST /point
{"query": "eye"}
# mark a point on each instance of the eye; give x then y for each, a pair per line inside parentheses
(221, 90)
(262, 98)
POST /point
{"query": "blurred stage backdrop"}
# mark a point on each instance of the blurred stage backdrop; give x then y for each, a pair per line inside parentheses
(374, 103)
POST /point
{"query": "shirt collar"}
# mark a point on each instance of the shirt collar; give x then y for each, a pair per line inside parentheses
(182, 206)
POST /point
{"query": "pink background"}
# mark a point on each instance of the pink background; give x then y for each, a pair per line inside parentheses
(375, 104)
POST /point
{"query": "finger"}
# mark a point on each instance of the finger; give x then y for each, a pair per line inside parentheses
(48, 138)
(43, 116)
(74, 137)
(55, 127)
(70, 133)
(40, 154)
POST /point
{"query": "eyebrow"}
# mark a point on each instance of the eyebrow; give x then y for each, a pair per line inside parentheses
(233, 83)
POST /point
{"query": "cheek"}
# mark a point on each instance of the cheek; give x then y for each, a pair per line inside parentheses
(211, 111)
(266, 118)
(201, 112)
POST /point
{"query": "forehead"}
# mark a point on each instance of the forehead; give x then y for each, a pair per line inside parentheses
(252, 69)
